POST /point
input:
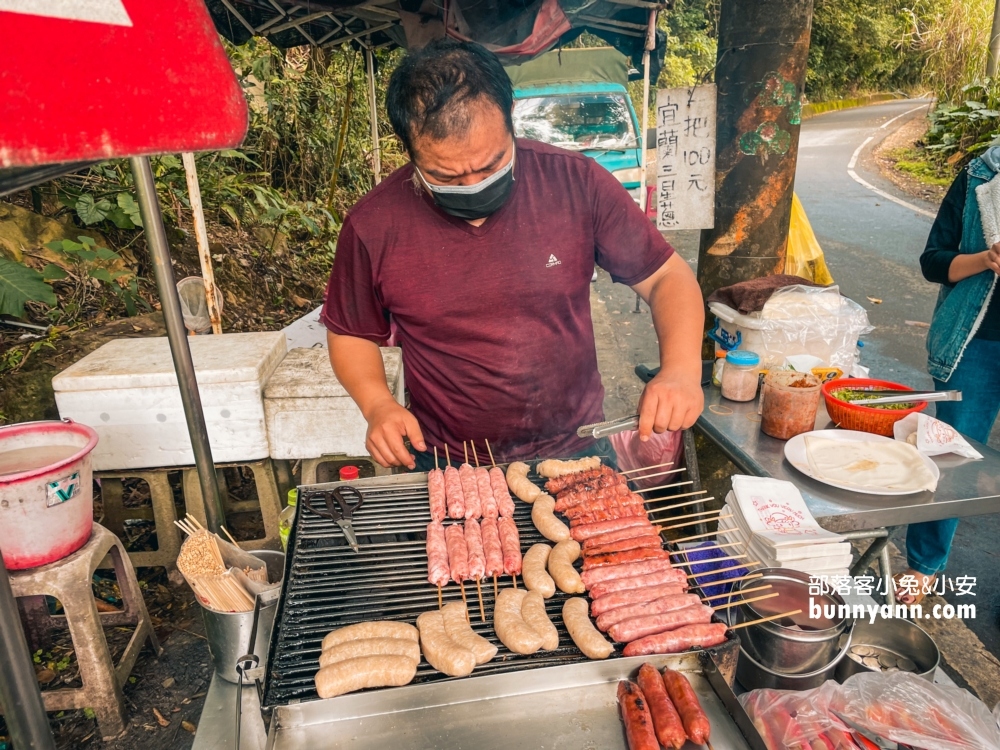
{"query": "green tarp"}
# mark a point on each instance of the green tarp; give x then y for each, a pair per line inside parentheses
(559, 66)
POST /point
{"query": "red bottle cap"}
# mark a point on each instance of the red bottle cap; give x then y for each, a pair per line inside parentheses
(347, 473)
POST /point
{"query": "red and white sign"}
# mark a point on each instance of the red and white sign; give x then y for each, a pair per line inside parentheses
(84, 80)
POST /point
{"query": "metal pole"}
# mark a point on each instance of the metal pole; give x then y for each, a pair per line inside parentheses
(201, 234)
(19, 693)
(650, 46)
(994, 55)
(159, 251)
(373, 114)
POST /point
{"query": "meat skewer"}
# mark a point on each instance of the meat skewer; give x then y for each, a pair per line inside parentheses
(454, 496)
(470, 490)
(438, 570)
(510, 543)
(498, 480)
(487, 496)
(493, 550)
(458, 553)
(477, 558)
(583, 531)
(436, 492)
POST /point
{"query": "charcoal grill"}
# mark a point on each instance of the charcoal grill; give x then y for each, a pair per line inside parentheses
(328, 585)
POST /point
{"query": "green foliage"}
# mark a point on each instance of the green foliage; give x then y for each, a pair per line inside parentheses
(99, 264)
(963, 130)
(691, 27)
(20, 284)
(954, 36)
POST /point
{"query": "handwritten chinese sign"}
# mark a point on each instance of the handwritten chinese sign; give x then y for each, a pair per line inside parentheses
(685, 157)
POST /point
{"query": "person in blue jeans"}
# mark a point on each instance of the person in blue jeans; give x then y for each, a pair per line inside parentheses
(963, 343)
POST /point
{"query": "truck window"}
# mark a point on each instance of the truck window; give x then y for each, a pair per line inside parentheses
(579, 122)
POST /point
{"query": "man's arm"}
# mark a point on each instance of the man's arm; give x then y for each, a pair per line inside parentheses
(673, 399)
(357, 363)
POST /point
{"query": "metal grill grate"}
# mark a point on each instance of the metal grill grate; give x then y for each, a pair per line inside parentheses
(329, 586)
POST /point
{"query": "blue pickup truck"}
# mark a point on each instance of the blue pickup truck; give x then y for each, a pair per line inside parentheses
(576, 99)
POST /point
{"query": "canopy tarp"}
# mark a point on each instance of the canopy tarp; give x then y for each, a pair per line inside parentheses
(589, 64)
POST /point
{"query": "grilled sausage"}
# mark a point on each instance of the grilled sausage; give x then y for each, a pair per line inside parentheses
(534, 615)
(553, 468)
(505, 505)
(510, 543)
(442, 652)
(635, 715)
(584, 530)
(470, 491)
(436, 494)
(627, 570)
(370, 647)
(474, 545)
(682, 694)
(545, 521)
(582, 631)
(438, 571)
(666, 721)
(607, 512)
(650, 541)
(486, 498)
(364, 672)
(456, 625)
(618, 535)
(675, 641)
(536, 578)
(635, 628)
(492, 547)
(637, 582)
(509, 624)
(454, 496)
(372, 629)
(520, 485)
(626, 598)
(561, 484)
(656, 607)
(561, 568)
(620, 558)
(458, 552)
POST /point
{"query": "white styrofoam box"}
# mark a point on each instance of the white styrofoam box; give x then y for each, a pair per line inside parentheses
(310, 414)
(127, 391)
(748, 327)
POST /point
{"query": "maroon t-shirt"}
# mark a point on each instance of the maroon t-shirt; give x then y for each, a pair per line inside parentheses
(494, 321)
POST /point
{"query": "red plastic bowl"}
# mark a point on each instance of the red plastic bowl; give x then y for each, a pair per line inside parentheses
(865, 418)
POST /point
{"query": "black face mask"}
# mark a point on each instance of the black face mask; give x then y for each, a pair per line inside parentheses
(474, 201)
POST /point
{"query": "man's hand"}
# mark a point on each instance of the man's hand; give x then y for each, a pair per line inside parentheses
(669, 402)
(992, 258)
(388, 424)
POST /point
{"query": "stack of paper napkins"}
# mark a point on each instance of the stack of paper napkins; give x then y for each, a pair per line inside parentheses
(771, 519)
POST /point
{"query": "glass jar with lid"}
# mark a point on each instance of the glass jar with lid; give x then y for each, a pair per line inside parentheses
(740, 375)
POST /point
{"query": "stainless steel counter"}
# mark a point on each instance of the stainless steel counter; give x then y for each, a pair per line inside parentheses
(966, 488)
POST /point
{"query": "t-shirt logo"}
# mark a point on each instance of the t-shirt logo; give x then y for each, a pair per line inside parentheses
(553, 261)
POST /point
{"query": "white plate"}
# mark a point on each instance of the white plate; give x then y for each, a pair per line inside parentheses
(795, 452)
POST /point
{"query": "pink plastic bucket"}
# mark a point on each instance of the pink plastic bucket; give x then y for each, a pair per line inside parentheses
(46, 491)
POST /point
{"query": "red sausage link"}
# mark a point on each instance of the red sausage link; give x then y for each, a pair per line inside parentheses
(635, 715)
(666, 721)
(618, 558)
(624, 545)
(682, 694)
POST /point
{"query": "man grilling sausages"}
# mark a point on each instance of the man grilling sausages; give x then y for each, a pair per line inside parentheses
(478, 256)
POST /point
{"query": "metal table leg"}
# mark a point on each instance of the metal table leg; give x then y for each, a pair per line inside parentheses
(879, 548)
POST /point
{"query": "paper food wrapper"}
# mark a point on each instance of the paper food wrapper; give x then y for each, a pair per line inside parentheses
(775, 511)
(932, 437)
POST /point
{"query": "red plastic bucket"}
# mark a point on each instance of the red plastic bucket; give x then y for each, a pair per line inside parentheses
(46, 491)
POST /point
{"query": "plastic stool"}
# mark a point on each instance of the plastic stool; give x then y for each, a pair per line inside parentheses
(268, 500)
(69, 581)
(163, 513)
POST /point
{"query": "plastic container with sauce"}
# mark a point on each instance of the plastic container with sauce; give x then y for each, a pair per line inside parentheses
(347, 473)
(789, 402)
(740, 375)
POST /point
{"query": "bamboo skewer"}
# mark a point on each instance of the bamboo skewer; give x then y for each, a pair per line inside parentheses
(711, 559)
(693, 537)
(735, 593)
(721, 570)
(695, 523)
(447, 457)
(746, 601)
(717, 546)
(680, 505)
(514, 576)
(496, 591)
(657, 474)
(466, 449)
(235, 543)
(765, 619)
(461, 585)
(666, 486)
(490, 451)
(440, 599)
(646, 468)
(482, 610)
(435, 458)
(475, 456)
(692, 515)
(736, 580)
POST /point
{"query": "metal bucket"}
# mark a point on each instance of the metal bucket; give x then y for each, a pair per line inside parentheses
(791, 646)
(901, 638)
(751, 674)
(228, 633)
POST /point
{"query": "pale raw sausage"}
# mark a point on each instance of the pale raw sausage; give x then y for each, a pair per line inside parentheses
(371, 629)
(442, 652)
(636, 582)
(436, 494)
(561, 568)
(454, 496)
(536, 578)
(545, 521)
(655, 607)
(533, 613)
(586, 530)
(635, 628)
(582, 630)
(370, 647)
(505, 505)
(554, 468)
(633, 596)
(509, 624)
(520, 485)
(364, 672)
(456, 625)
(595, 576)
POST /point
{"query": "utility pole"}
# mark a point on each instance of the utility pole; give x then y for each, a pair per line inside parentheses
(760, 74)
(994, 51)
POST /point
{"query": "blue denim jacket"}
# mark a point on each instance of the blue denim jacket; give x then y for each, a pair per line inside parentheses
(960, 308)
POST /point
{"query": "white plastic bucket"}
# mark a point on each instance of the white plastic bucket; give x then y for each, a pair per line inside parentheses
(46, 491)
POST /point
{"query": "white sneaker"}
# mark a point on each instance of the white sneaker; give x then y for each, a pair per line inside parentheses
(593, 278)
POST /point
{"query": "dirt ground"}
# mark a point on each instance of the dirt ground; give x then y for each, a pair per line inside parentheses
(887, 155)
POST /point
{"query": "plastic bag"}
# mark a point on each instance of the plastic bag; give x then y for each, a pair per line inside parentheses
(803, 255)
(932, 437)
(194, 305)
(812, 320)
(659, 449)
(797, 719)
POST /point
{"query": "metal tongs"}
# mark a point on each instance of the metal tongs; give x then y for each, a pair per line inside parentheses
(611, 427)
(899, 397)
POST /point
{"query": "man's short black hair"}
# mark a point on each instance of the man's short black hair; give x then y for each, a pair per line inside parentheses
(430, 91)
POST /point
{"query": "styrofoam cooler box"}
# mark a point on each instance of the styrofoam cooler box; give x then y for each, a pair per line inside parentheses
(127, 391)
(310, 414)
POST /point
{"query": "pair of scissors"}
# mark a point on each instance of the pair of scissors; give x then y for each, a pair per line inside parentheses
(341, 502)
